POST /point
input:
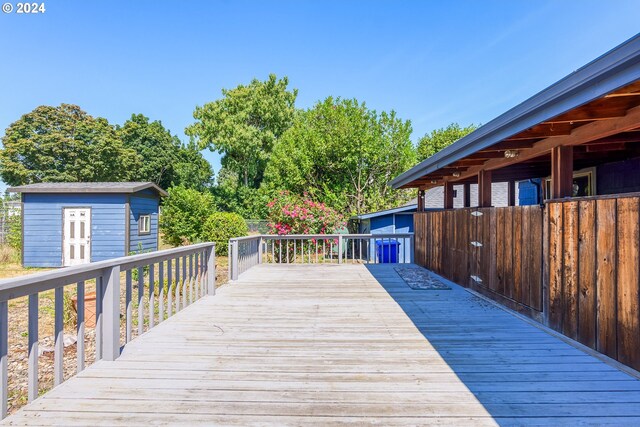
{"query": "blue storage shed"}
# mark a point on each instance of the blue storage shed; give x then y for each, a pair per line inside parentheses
(74, 223)
(397, 220)
(389, 221)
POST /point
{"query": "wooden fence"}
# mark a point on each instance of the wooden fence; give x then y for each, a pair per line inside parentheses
(593, 269)
(573, 265)
(496, 251)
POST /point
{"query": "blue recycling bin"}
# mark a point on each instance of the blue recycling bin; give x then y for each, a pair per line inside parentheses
(387, 251)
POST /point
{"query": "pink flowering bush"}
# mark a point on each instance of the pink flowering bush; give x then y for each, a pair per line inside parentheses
(291, 214)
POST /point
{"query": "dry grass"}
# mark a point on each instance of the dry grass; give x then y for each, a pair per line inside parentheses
(18, 327)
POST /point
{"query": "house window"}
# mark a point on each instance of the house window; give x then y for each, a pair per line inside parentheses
(144, 224)
(583, 184)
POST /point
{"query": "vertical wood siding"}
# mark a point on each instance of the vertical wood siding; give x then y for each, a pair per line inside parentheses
(594, 264)
(496, 251)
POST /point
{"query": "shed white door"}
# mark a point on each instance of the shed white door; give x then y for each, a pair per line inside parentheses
(77, 240)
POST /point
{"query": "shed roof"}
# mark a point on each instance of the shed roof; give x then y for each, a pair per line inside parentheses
(605, 90)
(87, 187)
(410, 205)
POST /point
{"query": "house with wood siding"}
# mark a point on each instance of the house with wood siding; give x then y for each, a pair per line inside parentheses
(75, 223)
(566, 252)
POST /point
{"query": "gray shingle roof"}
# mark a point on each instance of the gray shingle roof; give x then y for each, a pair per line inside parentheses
(87, 187)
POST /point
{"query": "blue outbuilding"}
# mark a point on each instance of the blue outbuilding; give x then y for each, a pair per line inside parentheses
(66, 224)
(389, 221)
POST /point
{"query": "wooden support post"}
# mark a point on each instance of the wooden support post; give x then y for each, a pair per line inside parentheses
(484, 189)
(4, 364)
(340, 249)
(32, 381)
(420, 200)
(562, 172)
(111, 313)
(448, 195)
(511, 192)
(211, 271)
(234, 260)
(467, 195)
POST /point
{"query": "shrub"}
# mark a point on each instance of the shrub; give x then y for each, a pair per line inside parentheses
(183, 214)
(222, 226)
(292, 214)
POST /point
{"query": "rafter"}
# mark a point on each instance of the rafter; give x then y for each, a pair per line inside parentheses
(589, 132)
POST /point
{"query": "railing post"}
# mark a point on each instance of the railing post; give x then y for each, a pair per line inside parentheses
(111, 313)
(339, 249)
(412, 249)
(234, 260)
(260, 250)
(4, 364)
(211, 270)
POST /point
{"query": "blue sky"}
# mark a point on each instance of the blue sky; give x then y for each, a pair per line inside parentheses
(434, 62)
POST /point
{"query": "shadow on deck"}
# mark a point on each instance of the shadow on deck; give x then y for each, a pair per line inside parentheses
(341, 344)
(518, 372)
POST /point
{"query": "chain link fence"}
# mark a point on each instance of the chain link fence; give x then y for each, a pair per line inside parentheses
(257, 226)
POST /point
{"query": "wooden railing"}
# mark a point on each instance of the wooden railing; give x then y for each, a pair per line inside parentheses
(246, 252)
(174, 277)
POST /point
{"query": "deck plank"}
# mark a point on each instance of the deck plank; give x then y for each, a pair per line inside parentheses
(337, 345)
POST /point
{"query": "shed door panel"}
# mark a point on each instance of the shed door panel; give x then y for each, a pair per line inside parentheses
(76, 236)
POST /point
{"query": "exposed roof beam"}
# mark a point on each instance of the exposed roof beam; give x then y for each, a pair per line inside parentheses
(613, 146)
(469, 162)
(543, 130)
(511, 145)
(486, 155)
(616, 138)
(589, 132)
(587, 116)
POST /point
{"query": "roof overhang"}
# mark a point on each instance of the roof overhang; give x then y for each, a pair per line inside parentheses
(73, 187)
(599, 100)
(387, 212)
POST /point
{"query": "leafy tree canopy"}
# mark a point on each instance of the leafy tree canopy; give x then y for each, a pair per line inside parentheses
(155, 144)
(165, 160)
(438, 139)
(245, 124)
(343, 154)
(64, 143)
(192, 170)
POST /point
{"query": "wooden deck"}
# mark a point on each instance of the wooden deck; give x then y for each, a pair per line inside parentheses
(342, 344)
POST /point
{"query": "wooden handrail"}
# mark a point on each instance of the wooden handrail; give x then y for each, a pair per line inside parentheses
(246, 252)
(192, 278)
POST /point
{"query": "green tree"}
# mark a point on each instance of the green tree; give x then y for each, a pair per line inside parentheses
(183, 213)
(244, 125)
(343, 154)
(64, 143)
(165, 160)
(232, 196)
(192, 170)
(438, 139)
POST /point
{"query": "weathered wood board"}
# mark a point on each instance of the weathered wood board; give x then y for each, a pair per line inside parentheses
(342, 344)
